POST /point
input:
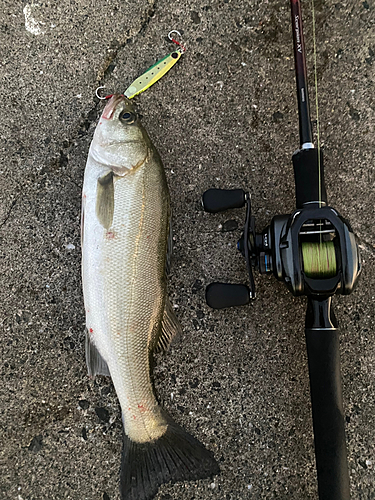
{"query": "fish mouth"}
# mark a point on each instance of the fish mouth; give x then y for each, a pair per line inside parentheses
(112, 104)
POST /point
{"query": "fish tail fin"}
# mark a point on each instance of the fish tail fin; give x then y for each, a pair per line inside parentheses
(175, 456)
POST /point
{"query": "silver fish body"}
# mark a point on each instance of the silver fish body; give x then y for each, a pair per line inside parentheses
(125, 228)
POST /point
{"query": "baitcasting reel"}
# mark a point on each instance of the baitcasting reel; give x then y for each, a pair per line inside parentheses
(313, 250)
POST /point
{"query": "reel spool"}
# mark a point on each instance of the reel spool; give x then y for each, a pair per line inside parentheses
(319, 259)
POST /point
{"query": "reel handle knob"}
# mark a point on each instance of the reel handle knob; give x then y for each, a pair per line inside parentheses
(222, 295)
(218, 200)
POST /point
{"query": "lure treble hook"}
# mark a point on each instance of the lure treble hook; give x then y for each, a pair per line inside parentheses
(99, 96)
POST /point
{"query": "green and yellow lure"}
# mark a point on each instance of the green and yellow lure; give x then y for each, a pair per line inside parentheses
(153, 74)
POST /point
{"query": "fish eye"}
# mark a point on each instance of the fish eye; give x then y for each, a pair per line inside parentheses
(127, 117)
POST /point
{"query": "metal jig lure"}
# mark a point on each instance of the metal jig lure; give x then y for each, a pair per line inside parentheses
(153, 74)
(156, 71)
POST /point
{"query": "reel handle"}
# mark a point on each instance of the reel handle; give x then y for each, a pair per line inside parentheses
(218, 200)
(223, 295)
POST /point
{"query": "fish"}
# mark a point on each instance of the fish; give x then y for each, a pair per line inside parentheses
(126, 247)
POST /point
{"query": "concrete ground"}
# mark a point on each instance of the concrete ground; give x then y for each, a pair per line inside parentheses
(225, 116)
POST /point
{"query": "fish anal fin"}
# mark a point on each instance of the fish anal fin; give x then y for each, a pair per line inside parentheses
(169, 329)
(175, 456)
(105, 200)
(94, 361)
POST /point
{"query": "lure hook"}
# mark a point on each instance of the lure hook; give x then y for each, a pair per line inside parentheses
(175, 41)
(174, 31)
(100, 97)
(97, 92)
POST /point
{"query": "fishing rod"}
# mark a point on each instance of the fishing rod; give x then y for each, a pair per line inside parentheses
(314, 252)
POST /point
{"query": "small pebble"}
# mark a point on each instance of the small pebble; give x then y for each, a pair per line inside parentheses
(102, 414)
(36, 444)
(230, 225)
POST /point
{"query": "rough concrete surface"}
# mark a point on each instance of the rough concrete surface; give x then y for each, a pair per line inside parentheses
(225, 116)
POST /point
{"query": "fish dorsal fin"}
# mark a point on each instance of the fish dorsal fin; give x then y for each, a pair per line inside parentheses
(169, 329)
(95, 363)
(105, 200)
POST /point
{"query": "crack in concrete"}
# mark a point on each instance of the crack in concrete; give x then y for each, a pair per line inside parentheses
(9, 212)
(128, 38)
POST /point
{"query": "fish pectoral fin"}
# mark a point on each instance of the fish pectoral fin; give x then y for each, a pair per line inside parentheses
(94, 360)
(105, 200)
(169, 329)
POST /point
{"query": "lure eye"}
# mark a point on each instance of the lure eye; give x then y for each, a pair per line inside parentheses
(127, 117)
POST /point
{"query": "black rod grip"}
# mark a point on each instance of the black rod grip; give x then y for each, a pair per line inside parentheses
(309, 177)
(218, 200)
(322, 341)
(222, 295)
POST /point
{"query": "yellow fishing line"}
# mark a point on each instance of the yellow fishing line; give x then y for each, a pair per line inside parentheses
(319, 259)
